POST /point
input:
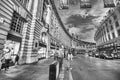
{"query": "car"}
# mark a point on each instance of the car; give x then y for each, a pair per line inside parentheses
(102, 56)
(97, 55)
(108, 56)
(118, 56)
(115, 55)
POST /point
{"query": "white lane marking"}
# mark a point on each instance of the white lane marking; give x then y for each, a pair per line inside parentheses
(70, 75)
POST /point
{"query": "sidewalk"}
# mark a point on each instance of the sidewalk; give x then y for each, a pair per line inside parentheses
(65, 74)
(38, 71)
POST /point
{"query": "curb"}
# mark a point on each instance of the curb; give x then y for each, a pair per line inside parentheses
(61, 75)
(70, 75)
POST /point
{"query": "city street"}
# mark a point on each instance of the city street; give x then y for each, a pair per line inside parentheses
(39, 71)
(90, 68)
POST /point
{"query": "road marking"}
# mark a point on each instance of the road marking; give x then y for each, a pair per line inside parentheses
(70, 75)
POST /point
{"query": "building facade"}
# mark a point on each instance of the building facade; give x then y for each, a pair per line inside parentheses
(31, 28)
(107, 35)
(59, 37)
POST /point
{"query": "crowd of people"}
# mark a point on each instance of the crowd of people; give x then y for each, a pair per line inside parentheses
(6, 60)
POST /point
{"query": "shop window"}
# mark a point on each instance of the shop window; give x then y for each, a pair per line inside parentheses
(118, 32)
(116, 24)
(113, 35)
(17, 22)
(31, 10)
(36, 44)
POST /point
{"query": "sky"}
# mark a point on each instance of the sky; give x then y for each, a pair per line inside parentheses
(84, 21)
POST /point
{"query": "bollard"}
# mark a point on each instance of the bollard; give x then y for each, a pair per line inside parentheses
(54, 71)
(60, 63)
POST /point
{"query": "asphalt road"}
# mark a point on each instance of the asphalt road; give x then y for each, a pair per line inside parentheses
(89, 68)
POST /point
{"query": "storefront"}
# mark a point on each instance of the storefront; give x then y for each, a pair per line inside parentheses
(13, 43)
(42, 48)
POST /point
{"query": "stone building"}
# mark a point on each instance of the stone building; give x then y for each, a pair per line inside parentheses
(28, 30)
(107, 35)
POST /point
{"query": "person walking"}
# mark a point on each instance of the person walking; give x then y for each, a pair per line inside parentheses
(17, 59)
(7, 57)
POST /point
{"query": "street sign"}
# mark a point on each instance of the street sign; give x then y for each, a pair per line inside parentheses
(2, 20)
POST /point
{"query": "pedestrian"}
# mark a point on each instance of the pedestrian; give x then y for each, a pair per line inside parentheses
(0, 64)
(7, 57)
(17, 59)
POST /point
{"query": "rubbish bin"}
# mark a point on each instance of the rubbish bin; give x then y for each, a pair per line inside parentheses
(54, 70)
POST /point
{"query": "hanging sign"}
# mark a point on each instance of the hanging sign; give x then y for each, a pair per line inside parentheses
(108, 3)
(63, 4)
(85, 4)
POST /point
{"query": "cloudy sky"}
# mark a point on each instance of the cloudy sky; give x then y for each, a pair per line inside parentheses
(83, 21)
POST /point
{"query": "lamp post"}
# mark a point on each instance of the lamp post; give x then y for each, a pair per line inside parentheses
(47, 25)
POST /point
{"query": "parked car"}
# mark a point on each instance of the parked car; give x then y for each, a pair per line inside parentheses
(97, 55)
(115, 55)
(118, 56)
(102, 56)
(108, 56)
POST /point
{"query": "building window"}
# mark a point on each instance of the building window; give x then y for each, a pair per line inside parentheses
(24, 2)
(114, 16)
(113, 35)
(17, 22)
(118, 32)
(111, 27)
(106, 24)
(107, 30)
(119, 9)
(109, 36)
(116, 24)
(110, 21)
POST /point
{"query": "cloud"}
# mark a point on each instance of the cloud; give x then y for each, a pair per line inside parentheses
(77, 20)
(86, 30)
(84, 21)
